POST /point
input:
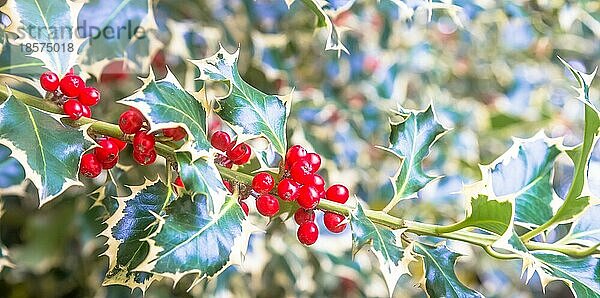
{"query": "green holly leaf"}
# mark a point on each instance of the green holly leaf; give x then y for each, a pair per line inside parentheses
(11, 172)
(49, 24)
(488, 213)
(17, 64)
(133, 221)
(384, 243)
(439, 279)
(190, 240)
(411, 141)
(121, 39)
(165, 104)
(50, 154)
(249, 111)
(579, 274)
(525, 171)
(202, 177)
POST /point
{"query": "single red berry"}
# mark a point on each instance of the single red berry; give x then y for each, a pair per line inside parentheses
(301, 216)
(314, 160)
(294, 154)
(301, 171)
(71, 85)
(308, 197)
(337, 193)
(228, 186)
(244, 207)
(89, 96)
(263, 182)
(143, 141)
(333, 221)
(222, 141)
(49, 81)
(110, 164)
(120, 144)
(144, 158)
(240, 154)
(267, 205)
(107, 152)
(90, 166)
(179, 182)
(73, 108)
(177, 133)
(131, 121)
(287, 189)
(317, 181)
(308, 232)
(86, 111)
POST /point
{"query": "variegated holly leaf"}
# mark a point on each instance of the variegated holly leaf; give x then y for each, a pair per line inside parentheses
(18, 64)
(580, 274)
(525, 171)
(586, 229)
(133, 221)
(334, 38)
(49, 154)
(190, 240)
(129, 33)
(248, 110)
(439, 279)
(202, 177)
(11, 172)
(383, 242)
(165, 104)
(50, 24)
(411, 141)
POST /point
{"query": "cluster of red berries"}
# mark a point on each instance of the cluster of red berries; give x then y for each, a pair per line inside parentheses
(131, 122)
(71, 93)
(238, 155)
(106, 156)
(303, 185)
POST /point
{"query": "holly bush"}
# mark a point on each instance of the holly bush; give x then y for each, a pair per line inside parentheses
(162, 148)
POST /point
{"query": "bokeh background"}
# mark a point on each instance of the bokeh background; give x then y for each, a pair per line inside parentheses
(490, 69)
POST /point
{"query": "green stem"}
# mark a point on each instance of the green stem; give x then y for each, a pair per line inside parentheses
(378, 217)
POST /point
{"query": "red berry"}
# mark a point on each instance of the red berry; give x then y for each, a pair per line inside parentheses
(288, 189)
(90, 166)
(179, 182)
(49, 81)
(240, 154)
(107, 152)
(143, 142)
(224, 161)
(222, 141)
(131, 121)
(263, 182)
(308, 197)
(144, 158)
(177, 134)
(120, 144)
(302, 216)
(89, 96)
(267, 205)
(228, 186)
(308, 232)
(71, 85)
(73, 108)
(337, 193)
(317, 181)
(301, 171)
(86, 111)
(111, 164)
(332, 222)
(314, 160)
(294, 154)
(244, 207)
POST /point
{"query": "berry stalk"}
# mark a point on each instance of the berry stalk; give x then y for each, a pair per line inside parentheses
(378, 217)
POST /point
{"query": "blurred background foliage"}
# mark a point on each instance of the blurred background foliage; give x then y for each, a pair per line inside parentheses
(490, 68)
